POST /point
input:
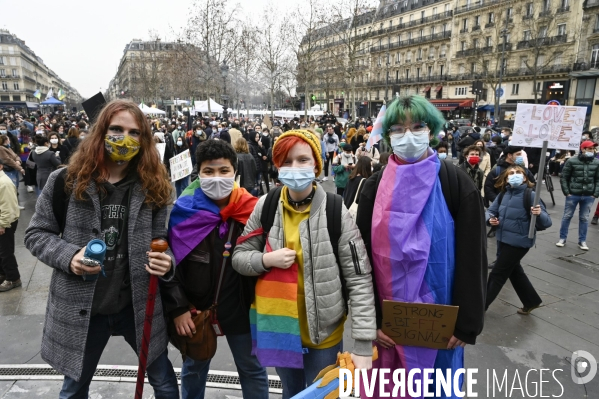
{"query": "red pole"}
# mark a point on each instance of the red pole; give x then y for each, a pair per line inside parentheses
(157, 245)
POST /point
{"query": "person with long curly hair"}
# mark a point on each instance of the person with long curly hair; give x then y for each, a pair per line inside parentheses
(115, 189)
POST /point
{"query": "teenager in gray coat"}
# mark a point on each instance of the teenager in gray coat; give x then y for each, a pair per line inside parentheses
(118, 191)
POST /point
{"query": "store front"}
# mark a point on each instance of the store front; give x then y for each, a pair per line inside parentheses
(585, 93)
(338, 107)
(555, 91)
(455, 109)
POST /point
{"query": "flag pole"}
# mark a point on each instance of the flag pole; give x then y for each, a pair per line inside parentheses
(533, 218)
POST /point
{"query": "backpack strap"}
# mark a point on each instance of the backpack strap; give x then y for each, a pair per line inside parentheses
(450, 186)
(500, 198)
(527, 200)
(269, 209)
(60, 200)
(334, 207)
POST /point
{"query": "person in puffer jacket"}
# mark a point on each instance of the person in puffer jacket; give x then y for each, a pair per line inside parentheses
(299, 301)
(512, 220)
(580, 185)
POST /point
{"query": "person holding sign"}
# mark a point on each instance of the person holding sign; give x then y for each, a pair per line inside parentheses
(512, 218)
(580, 185)
(425, 247)
(180, 147)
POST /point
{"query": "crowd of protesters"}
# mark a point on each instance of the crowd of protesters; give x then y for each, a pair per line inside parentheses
(256, 242)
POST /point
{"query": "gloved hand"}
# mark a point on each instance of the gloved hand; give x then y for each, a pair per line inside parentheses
(362, 362)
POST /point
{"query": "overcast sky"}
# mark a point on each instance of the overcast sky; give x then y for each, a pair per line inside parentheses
(83, 41)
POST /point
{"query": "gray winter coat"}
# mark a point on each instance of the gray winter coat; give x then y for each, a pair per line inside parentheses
(322, 284)
(69, 305)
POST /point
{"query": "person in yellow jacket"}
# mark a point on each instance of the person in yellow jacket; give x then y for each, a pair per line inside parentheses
(9, 217)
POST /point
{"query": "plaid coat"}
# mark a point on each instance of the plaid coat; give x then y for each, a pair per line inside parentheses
(70, 298)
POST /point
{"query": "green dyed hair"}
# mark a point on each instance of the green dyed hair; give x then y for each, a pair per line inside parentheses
(419, 109)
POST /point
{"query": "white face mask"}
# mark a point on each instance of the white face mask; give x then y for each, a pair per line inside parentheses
(217, 188)
(54, 141)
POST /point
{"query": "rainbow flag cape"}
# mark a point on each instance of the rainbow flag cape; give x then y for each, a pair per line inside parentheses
(195, 215)
(413, 253)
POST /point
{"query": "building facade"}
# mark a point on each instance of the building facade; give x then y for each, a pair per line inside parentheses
(521, 51)
(22, 73)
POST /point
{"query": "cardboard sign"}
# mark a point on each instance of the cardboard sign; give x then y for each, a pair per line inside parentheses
(419, 324)
(561, 126)
(180, 166)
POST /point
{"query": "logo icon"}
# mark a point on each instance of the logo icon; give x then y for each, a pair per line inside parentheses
(583, 367)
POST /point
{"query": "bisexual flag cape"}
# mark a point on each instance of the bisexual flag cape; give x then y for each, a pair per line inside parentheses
(195, 215)
(413, 254)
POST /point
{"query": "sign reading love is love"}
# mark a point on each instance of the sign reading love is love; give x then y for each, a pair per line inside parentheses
(561, 126)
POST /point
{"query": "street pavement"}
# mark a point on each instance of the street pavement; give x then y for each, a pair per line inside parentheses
(510, 346)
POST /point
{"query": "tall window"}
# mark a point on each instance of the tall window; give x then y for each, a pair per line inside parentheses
(475, 43)
(463, 45)
(529, 10)
(561, 29)
(509, 12)
(14, 72)
(489, 41)
(515, 88)
(433, 29)
(491, 17)
(2, 72)
(16, 85)
(434, 10)
(441, 69)
(477, 20)
(557, 59)
(526, 35)
(419, 53)
(465, 24)
(546, 5)
(4, 86)
(543, 31)
(430, 71)
(472, 67)
(523, 61)
(595, 56)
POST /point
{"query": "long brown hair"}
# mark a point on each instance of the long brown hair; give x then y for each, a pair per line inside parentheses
(502, 182)
(363, 168)
(89, 161)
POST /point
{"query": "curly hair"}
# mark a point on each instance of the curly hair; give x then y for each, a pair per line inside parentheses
(215, 149)
(89, 161)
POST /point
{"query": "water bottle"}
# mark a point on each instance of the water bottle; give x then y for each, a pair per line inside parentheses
(94, 256)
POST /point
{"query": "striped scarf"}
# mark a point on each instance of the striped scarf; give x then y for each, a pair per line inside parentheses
(274, 322)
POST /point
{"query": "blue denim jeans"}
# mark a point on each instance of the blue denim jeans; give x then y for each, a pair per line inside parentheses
(181, 185)
(252, 376)
(160, 373)
(296, 380)
(14, 176)
(583, 215)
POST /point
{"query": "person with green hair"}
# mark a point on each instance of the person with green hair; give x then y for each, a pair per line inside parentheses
(424, 246)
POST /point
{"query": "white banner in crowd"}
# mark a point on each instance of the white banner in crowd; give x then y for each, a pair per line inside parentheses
(561, 126)
(180, 166)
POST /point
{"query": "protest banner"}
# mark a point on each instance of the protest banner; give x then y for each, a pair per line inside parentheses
(161, 147)
(560, 126)
(180, 166)
(547, 126)
(419, 324)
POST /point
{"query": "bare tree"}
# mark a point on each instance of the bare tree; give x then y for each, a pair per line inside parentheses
(304, 24)
(245, 62)
(545, 41)
(273, 51)
(211, 29)
(350, 17)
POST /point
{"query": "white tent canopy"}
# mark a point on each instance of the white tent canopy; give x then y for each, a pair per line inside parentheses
(150, 111)
(202, 106)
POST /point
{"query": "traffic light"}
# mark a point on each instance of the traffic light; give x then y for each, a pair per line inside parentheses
(477, 87)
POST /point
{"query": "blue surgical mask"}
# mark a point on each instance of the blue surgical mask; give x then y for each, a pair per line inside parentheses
(297, 179)
(519, 160)
(410, 147)
(443, 155)
(3, 132)
(515, 180)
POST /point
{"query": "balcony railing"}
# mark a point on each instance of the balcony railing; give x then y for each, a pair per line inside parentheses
(546, 13)
(542, 41)
(476, 5)
(475, 28)
(527, 16)
(431, 57)
(464, 30)
(474, 51)
(489, 25)
(563, 9)
(585, 66)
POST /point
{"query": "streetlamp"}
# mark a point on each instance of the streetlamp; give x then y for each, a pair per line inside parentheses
(224, 71)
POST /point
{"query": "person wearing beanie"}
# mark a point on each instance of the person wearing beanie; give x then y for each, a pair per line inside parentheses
(346, 161)
(296, 261)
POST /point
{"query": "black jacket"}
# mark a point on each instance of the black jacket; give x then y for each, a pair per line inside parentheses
(258, 152)
(14, 143)
(246, 169)
(490, 191)
(195, 283)
(470, 278)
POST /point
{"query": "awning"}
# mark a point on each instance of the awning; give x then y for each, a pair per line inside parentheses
(467, 103)
(439, 88)
(446, 108)
(427, 88)
(487, 107)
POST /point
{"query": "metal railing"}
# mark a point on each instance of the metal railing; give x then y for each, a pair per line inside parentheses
(590, 3)
(542, 41)
(477, 4)
(563, 9)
